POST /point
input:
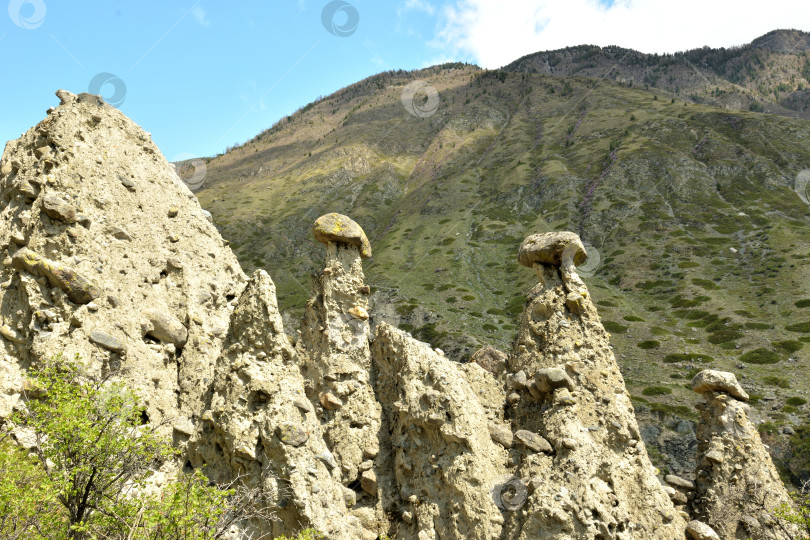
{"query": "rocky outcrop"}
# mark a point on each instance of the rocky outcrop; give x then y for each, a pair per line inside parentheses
(738, 487)
(445, 464)
(260, 426)
(597, 480)
(107, 254)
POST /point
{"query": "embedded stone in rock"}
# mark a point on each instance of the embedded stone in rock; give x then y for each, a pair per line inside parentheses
(359, 312)
(292, 434)
(547, 379)
(106, 341)
(698, 530)
(548, 248)
(341, 229)
(11, 334)
(368, 481)
(55, 208)
(501, 434)
(491, 359)
(679, 482)
(533, 441)
(79, 289)
(330, 401)
(710, 380)
(166, 327)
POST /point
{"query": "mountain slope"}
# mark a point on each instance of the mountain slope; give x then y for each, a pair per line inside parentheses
(770, 74)
(697, 236)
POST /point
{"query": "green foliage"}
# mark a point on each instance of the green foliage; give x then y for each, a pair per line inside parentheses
(796, 401)
(788, 346)
(88, 471)
(799, 514)
(687, 357)
(656, 391)
(802, 328)
(306, 534)
(648, 344)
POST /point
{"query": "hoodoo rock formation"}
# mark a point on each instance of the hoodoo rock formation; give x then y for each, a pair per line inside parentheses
(110, 257)
(738, 487)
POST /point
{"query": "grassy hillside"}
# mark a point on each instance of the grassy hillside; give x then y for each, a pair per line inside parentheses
(699, 240)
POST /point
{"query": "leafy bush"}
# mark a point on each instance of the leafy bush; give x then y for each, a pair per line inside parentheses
(89, 466)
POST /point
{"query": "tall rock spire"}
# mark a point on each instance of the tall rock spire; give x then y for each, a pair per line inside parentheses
(595, 480)
(738, 487)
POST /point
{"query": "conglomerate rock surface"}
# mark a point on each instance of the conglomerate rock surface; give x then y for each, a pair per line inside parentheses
(108, 255)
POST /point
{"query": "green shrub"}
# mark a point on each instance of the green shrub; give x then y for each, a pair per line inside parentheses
(789, 346)
(773, 380)
(803, 328)
(656, 391)
(795, 401)
(632, 318)
(803, 303)
(614, 327)
(648, 344)
(760, 356)
(687, 357)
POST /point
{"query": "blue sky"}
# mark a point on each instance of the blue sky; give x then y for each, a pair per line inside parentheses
(202, 75)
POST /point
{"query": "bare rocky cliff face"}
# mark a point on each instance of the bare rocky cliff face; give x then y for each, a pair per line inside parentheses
(356, 432)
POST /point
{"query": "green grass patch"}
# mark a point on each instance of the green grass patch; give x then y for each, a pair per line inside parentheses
(632, 318)
(804, 303)
(796, 401)
(648, 344)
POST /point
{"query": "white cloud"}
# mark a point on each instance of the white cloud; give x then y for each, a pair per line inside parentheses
(496, 32)
(416, 5)
(200, 16)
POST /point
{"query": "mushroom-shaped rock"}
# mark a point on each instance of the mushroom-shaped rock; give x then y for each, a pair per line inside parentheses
(341, 229)
(552, 248)
(710, 380)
